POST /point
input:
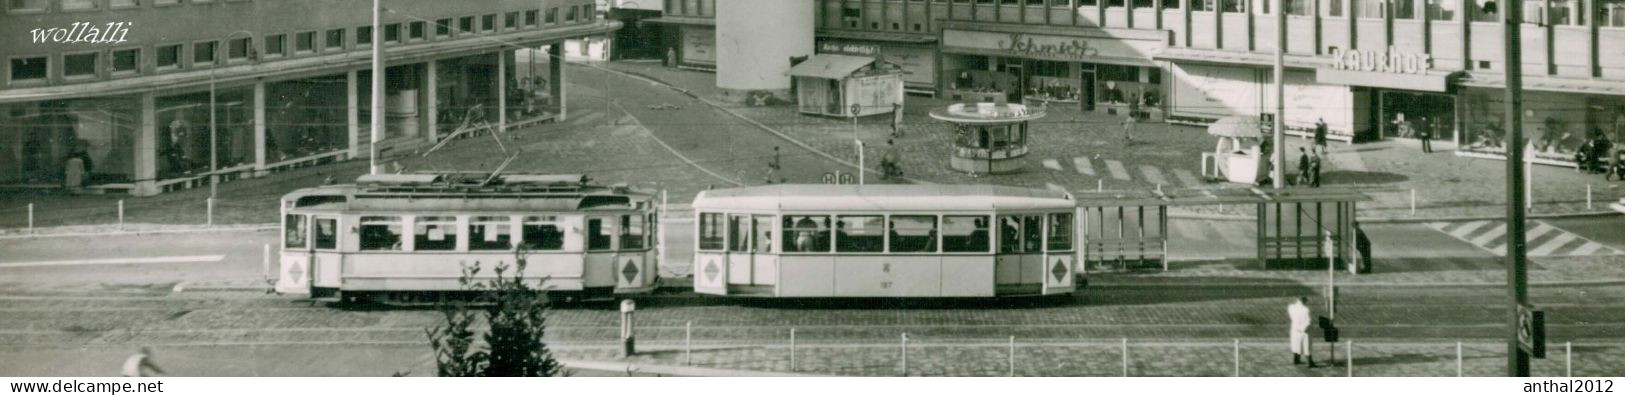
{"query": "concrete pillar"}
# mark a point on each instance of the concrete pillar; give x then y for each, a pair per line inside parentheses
(431, 101)
(502, 90)
(259, 128)
(146, 148)
(555, 76)
(351, 111)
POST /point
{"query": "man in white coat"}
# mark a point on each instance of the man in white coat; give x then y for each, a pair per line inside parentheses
(1298, 337)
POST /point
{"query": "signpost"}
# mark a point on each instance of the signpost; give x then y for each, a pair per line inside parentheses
(855, 139)
(1532, 330)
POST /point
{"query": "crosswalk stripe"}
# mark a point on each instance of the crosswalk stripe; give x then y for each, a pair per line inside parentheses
(1587, 249)
(1053, 165)
(1117, 169)
(1153, 175)
(1186, 177)
(1084, 166)
(1466, 229)
(1551, 246)
(1541, 228)
(1491, 235)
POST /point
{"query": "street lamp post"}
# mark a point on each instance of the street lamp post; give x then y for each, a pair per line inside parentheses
(1517, 274)
(1278, 172)
(377, 122)
(214, 142)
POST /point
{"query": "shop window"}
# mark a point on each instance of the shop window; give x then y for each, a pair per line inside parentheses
(363, 36)
(598, 235)
(380, 233)
(1403, 9)
(169, 56)
(335, 40)
(78, 5)
(1060, 232)
(203, 53)
(184, 132)
(530, 18)
(434, 234)
(126, 60)
(710, 232)
(277, 44)
(1611, 13)
(913, 233)
(1334, 8)
(806, 233)
(295, 231)
(238, 48)
(552, 16)
(27, 5)
(327, 233)
(465, 24)
(962, 233)
(1441, 10)
(442, 28)
(304, 42)
(305, 117)
(860, 233)
(488, 23)
(542, 233)
(392, 33)
(79, 65)
(490, 233)
(416, 30)
(631, 232)
(739, 233)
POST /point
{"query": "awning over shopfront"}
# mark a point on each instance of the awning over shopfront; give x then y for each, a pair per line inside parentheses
(683, 20)
(1547, 84)
(1233, 58)
(1430, 81)
(908, 38)
(830, 66)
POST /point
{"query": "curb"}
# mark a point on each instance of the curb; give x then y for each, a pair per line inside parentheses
(1401, 220)
(671, 370)
(195, 229)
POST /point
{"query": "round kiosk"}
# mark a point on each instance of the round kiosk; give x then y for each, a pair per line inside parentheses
(989, 138)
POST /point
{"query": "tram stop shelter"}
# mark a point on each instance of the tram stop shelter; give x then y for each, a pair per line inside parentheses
(1297, 228)
(847, 86)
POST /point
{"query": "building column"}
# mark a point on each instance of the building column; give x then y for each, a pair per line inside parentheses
(555, 73)
(502, 89)
(1467, 14)
(353, 127)
(146, 148)
(1593, 60)
(431, 99)
(259, 128)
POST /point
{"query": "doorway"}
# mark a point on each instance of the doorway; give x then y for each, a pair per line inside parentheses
(1087, 81)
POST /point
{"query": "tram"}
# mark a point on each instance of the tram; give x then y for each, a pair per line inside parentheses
(885, 241)
(401, 237)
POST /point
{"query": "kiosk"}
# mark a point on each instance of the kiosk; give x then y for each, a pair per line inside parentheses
(988, 137)
(829, 84)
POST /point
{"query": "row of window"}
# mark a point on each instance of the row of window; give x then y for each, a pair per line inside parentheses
(207, 53)
(899, 234)
(37, 6)
(1610, 13)
(480, 233)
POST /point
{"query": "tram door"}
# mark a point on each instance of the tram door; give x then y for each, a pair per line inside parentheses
(740, 262)
(325, 261)
(294, 273)
(1018, 267)
(1058, 260)
(600, 270)
(764, 264)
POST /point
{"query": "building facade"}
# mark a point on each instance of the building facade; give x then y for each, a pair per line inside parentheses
(157, 95)
(1370, 69)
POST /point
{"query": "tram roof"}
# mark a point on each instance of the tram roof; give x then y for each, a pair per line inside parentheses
(440, 192)
(823, 197)
(1205, 197)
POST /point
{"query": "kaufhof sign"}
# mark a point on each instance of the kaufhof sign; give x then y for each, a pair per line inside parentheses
(1390, 61)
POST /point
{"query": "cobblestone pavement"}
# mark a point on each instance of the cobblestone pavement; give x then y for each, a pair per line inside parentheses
(1084, 151)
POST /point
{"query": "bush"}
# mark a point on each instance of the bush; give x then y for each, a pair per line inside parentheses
(516, 317)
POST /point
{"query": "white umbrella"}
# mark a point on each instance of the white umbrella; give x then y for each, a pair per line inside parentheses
(1237, 126)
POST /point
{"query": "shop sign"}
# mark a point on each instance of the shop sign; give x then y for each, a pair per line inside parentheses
(841, 48)
(1390, 61)
(1048, 46)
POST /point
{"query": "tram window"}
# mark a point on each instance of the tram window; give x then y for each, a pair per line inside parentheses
(964, 233)
(435, 234)
(296, 229)
(598, 238)
(380, 233)
(327, 233)
(632, 232)
(811, 233)
(762, 238)
(710, 231)
(490, 233)
(913, 233)
(1031, 231)
(738, 233)
(1060, 232)
(859, 233)
(1009, 234)
(542, 234)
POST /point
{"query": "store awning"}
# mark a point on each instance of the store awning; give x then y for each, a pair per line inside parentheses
(830, 66)
(683, 20)
(1234, 58)
(1547, 84)
(909, 38)
(1431, 81)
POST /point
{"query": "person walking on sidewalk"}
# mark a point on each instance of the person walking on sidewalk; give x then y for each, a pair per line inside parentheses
(1303, 168)
(1424, 131)
(896, 120)
(1314, 169)
(141, 365)
(773, 167)
(889, 166)
(1129, 123)
(1320, 134)
(1298, 334)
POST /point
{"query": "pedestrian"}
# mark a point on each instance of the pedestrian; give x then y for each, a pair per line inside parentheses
(1425, 132)
(889, 166)
(1298, 334)
(773, 166)
(1362, 245)
(896, 120)
(1303, 168)
(141, 365)
(671, 57)
(1320, 134)
(1129, 123)
(1314, 169)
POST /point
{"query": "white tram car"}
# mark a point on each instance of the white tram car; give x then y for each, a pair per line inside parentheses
(885, 241)
(400, 237)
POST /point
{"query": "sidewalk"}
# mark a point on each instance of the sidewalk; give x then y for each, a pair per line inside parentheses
(1085, 151)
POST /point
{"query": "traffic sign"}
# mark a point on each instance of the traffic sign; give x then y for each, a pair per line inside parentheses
(855, 109)
(846, 178)
(1532, 330)
(829, 178)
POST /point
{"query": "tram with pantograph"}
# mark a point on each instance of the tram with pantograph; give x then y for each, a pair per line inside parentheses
(405, 238)
(922, 241)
